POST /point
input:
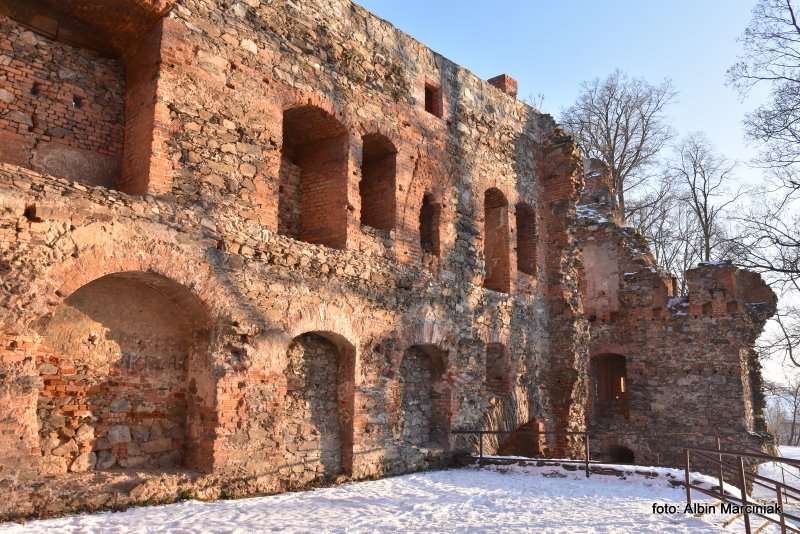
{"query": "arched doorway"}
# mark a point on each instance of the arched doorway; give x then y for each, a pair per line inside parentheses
(319, 404)
(619, 454)
(121, 368)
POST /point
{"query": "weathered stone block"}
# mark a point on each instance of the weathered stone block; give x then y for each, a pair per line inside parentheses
(83, 463)
(119, 434)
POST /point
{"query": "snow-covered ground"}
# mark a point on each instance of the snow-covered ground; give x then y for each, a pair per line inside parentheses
(489, 499)
(782, 473)
(779, 471)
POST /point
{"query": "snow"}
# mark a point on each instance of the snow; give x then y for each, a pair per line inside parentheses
(584, 211)
(677, 301)
(488, 499)
(790, 452)
(781, 472)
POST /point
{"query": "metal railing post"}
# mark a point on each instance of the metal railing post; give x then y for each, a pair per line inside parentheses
(743, 487)
(721, 476)
(783, 477)
(586, 451)
(780, 507)
(686, 480)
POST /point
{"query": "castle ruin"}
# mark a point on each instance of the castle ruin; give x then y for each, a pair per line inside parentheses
(249, 246)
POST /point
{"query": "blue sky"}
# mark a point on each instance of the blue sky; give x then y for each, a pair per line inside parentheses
(551, 47)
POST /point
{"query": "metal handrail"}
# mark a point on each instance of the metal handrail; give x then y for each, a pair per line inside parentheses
(480, 433)
(715, 456)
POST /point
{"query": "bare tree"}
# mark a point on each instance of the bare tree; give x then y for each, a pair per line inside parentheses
(772, 57)
(705, 177)
(672, 232)
(785, 341)
(770, 238)
(648, 211)
(783, 409)
(770, 242)
(620, 121)
(775, 416)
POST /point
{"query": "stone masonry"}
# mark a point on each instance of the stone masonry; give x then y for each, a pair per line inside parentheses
(251, 246)
(687, 362)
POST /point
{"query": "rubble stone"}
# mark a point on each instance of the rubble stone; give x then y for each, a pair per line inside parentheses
(261, 246)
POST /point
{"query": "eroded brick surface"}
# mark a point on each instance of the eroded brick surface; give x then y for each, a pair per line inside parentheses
(61, 107)
(689, 368)
(257, 305)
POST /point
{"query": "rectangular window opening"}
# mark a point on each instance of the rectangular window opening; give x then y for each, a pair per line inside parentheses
(433, 100)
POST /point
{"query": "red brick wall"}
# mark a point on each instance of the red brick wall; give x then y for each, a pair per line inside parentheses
(495, 246)
(142, 70)
(377, 186)
(318, 144)
(61, 107)
(526, 239)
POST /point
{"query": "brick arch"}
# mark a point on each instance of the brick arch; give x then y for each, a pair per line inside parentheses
(362, 128)
(425, 327)
(57, 282)
(336, 322)
(126, 377)
(296, 99)
(608, 348)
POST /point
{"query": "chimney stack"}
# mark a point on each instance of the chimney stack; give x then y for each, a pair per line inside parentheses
(505, 83)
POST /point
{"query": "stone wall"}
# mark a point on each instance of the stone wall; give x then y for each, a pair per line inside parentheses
(330, 247)
(319, 420)
(253, 107)
(690, 370)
